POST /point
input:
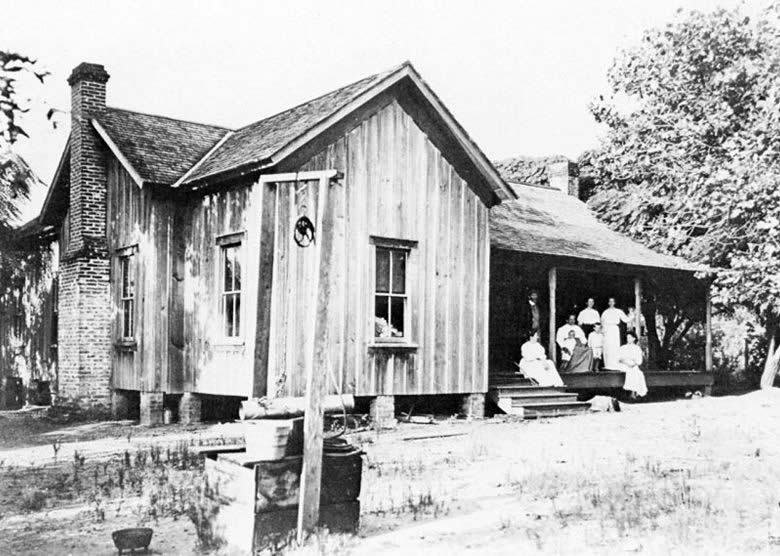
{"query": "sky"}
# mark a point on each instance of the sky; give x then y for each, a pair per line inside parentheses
(517, 75)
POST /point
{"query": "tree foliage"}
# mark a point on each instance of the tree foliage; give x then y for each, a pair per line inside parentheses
(15, 175)
(690, 163)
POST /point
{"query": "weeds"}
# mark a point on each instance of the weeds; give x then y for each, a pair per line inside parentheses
(33, 500)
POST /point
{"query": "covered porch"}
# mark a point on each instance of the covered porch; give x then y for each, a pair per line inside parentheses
(550, 243)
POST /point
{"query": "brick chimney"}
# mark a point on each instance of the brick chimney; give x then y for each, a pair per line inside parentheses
(84, 296)
(87, 164)
(564, 176)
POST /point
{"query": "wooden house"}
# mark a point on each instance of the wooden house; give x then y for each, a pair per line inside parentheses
(191, 256)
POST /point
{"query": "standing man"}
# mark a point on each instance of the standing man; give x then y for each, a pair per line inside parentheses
(533, 316)
(589, 317)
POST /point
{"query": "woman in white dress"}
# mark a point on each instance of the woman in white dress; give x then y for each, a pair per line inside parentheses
(630, 357)
(535, 365)
(610, 327)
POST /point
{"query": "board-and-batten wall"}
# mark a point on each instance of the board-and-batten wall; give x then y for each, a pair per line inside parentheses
(396, 185)
(178, 346)
(212, 363)
(141, 223)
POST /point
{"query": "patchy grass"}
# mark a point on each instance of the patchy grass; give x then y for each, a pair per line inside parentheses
(695, 476)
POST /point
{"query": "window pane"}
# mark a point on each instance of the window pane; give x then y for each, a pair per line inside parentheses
(127, 318)
(125, 275)
(228, 315)
(227, 265)
(130, 277)
(399, 271)
(397, 308)
(237, 315)
(382, 270)
(381, 325)
(236, 268)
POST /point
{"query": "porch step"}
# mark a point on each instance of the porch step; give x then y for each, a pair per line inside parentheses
(536, 401)
(541, 397)
(551, 409)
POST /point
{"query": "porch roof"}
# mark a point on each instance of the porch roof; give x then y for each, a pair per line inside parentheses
(548, 222)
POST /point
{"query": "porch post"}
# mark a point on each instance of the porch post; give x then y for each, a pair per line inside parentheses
(552, 279)
(638, 306)
(708, 331)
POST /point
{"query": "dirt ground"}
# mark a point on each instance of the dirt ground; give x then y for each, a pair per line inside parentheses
(698, 476)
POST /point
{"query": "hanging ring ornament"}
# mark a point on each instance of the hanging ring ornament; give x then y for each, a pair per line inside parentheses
(303, 234)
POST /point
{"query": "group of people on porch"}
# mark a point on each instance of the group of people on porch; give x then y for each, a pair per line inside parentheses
(588, 342)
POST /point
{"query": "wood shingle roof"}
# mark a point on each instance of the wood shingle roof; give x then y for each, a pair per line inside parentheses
(258, 141)
(548, 222)
(160, 149)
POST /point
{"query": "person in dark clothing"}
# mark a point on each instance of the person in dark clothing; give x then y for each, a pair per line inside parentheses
(533, 315)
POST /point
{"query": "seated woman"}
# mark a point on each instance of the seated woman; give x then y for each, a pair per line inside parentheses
(535, 365)
(580, 356)
(629, 358)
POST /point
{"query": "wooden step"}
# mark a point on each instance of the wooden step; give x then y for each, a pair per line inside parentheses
(545, 397)
(549, 404)
(531, 411)
(522, 390)
(536, 401)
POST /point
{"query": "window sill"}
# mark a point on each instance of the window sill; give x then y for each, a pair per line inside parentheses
(228, 343)
(393, 346)
(126, 345)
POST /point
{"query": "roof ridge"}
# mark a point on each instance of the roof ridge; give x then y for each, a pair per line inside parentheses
(305, 102)
(215, 126)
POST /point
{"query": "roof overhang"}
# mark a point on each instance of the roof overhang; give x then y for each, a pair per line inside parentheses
(55, 189)
(406, 71)
(111, 144)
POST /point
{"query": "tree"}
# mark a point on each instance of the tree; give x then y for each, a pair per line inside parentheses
(690, 163)
(15, 175)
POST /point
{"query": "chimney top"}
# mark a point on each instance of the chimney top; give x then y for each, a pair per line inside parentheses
(88, 72)
(563, 175)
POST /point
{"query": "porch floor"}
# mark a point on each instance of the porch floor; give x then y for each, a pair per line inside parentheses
(604, 380)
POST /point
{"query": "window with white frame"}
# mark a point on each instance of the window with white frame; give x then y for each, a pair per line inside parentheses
(127, 295)
(391, 292)
(230, 280)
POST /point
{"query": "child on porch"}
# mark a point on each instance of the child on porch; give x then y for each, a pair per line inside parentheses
(596, 344)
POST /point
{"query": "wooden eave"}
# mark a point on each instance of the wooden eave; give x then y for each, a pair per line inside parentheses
(45, 216)
(499, 189)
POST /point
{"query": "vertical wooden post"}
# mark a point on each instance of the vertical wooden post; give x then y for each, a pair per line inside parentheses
(267, 196)
(317, 369)
(552, 280)
(708, 331)
(638, 306)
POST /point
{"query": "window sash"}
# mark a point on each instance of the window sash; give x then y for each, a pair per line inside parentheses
(391, 289)
(230, 284)
(127, 297)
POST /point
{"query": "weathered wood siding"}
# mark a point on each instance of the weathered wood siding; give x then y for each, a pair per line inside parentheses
(213, 364)
(396, 184)
(137, 218)
(28, 293)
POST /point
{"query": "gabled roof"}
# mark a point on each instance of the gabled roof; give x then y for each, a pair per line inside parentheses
(159, 149)
(174, 152)
(269, 141)
(549, 222)
(256, 142)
